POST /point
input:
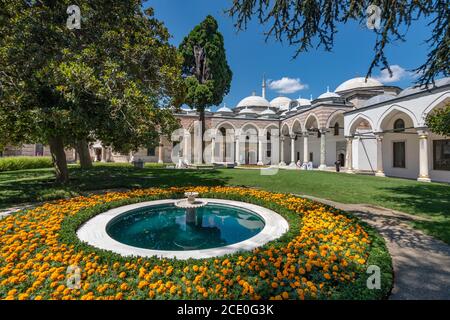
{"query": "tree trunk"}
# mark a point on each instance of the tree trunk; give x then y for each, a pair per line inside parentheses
(83, 152)
(202, 120)
(59, 159)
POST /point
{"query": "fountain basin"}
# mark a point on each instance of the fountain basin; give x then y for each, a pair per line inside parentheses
(159, 228)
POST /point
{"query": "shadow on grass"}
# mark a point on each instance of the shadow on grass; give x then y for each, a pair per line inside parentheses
(431, 200)
(428, 200)
(99, 178)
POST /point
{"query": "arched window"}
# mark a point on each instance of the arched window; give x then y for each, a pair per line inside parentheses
(319, 134)
(399, 125)
(336, 129)
(268, 136)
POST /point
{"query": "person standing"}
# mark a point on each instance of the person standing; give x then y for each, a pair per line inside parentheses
(338, 165)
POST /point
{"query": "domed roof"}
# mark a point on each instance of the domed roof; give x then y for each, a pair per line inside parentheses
(415, 89)
(304, 102)
(328, 95)
(359, 82)
(378, 99)
(280, 102)
(267, 112)
(253, 101)
(224, 109)
(247, 111)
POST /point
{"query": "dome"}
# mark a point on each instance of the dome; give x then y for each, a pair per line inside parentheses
(247, 111)
(328, 95)
(304, 102)
(267, 112)
(284, 108)
(279, 102)
(253, 101)
(378, 99)
(356, 83)
(224, 109)
(415, 89)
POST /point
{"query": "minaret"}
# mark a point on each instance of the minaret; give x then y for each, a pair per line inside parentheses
(264, 86)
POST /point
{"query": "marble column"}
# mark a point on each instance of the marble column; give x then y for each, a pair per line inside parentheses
(213, 149)
(292, 164)
(186, 147)
(323, 150)
(282, 163)
(423, 157)
(349, 155)
(236, 150)
(305, 147)
(380, 170)
(260, 151)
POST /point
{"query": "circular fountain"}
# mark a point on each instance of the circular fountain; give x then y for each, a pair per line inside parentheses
(182, 229)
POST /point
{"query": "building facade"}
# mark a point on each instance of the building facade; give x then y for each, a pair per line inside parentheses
(369, 127)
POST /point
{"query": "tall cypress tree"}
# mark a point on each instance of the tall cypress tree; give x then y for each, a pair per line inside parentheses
(205, 68)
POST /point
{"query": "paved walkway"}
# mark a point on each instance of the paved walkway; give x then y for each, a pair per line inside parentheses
(421, 263)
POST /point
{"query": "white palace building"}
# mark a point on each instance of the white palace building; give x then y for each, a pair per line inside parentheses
(368, 126)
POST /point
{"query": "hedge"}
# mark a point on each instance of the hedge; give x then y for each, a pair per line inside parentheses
(22, 163)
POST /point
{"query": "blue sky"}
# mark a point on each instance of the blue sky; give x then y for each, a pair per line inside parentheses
(250, 56)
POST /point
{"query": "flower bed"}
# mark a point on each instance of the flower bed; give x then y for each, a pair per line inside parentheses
(324, 255)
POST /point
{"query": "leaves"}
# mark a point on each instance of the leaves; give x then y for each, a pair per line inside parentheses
(439, 121)
(107, 81)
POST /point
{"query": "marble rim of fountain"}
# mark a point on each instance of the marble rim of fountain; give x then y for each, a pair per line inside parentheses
(93, 232)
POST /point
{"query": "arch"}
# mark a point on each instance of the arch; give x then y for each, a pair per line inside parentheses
(333, 116)
(247, 126)
(356, 121)
(442, 100)
(269, 126)
(390, 112)
(226, 123)
(285, 130)
(309, 120)
(299, 124)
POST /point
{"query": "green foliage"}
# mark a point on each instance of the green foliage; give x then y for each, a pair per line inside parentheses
(107, 81)
(201, 94)
(439, 121)
(22, 163)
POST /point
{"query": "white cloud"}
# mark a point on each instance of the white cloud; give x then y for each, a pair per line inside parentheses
(287, 85)
(398, 73)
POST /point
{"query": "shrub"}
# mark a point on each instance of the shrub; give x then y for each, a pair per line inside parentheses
(22, 163)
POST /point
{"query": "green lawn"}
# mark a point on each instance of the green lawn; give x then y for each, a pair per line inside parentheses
(427, 199)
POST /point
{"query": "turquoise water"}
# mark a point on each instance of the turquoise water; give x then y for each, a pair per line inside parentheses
(166, 227)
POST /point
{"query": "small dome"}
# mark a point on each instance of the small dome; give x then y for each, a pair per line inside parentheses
(415, 89)
(253, 101)
(304, 102)
(267, 112)
(356, 83)
(284, 108)
(280, 101)
(378, 99)
(224, 109)
(328, 95)
(247, 111)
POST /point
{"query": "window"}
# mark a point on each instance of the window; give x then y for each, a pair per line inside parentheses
(399, 125)
(441, 155)
(151, 152)
(399, 155)
(311, 157)
(319, 135)
(336, 129)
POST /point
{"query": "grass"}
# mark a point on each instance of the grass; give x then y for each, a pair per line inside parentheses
(430, 200)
